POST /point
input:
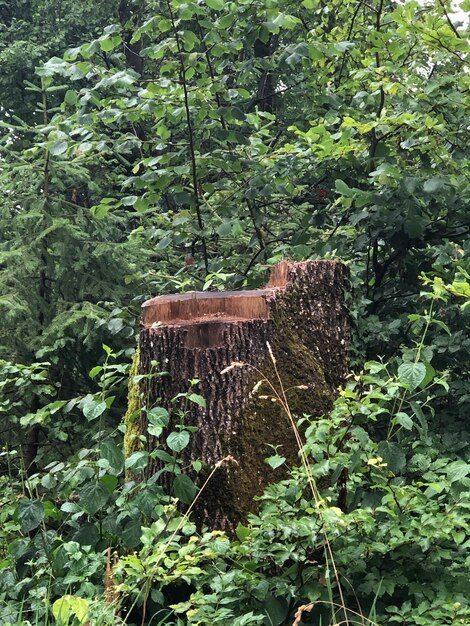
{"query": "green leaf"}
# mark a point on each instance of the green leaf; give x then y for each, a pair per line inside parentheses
(410, 184)
(30, 515)
(110, 43)
(374, 367)
(276, 609)
(217, 5)
(342, 188)
(93, 497)
(92, 408)
(95, 371)
(442, 325)
(53, 407)
(147, 499)
(57, 148)
(138, 461)
(275, 461)
(194, 397)
(404, 420)
(393, 455)
(184, 488)
(113, 454)
(158, 416)
(423, 424)
(68, 607)
(131, 533)
(177, 441)
(70, 97)
(433, 184)
(412, 374)
(457, 470)
(87, 535)
(162, 455)
(110, 482)
(342, 46)
(430, 373)
(242, 532)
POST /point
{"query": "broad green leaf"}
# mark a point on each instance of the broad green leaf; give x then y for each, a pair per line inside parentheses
(393, 455)
(404, 420)
(110, 482)
(53, 407)
(148, 498)
(158, 416)
(184, 488)
(110, 43)
(430, 373)
(276, 610)
(412, 374)
(162, 455)
(30, 514)
(138, 461)
(433, 184)
(342, 188)
(92, 408)
(410, 184)
(70, 609)
(342, 46)
(57, 148)
(374, 367)
(113, 454)
(70, 97)
(275, 461)
(87, 534)
(177, 441)
(217, 5)
(457, 470)
(197, 399)
(93, 497)
(131, 533)
(243, 532)
(95, 371)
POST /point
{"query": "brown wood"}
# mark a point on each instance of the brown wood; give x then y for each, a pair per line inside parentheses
(301, 313)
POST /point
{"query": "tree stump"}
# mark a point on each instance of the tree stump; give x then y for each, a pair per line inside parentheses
(301, 319)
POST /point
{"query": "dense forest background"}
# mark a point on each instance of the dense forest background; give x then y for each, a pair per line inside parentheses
(154, 146)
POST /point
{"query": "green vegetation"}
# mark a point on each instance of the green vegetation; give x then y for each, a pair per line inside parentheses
(150, 146)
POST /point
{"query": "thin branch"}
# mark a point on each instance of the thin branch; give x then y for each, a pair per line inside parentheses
(449, 21)
(191, 138)
(346, 53)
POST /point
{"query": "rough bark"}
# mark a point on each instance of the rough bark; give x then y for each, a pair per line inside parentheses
(301, 314)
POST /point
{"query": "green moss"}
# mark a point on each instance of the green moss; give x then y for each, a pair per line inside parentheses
(132, 416)
(266, 424)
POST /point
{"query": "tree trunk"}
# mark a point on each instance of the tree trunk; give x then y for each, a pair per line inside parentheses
(300, 320)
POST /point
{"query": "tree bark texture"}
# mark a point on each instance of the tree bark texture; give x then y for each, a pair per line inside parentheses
(301, 317)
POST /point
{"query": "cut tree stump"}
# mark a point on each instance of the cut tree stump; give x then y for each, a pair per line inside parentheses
(301, 316)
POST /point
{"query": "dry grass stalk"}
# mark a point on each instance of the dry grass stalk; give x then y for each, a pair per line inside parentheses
(298, 614)
(110, 591)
